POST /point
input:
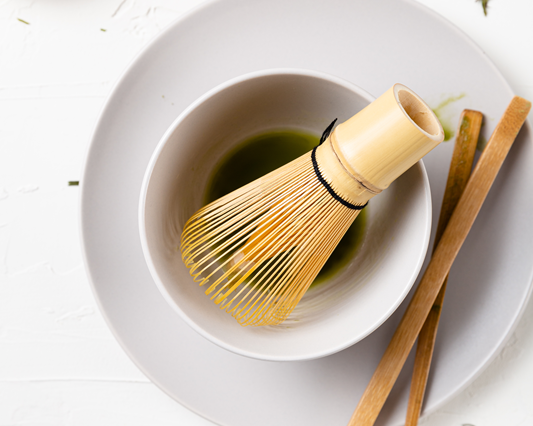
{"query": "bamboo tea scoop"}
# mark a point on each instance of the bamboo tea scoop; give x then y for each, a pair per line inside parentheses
(460, 168)
(452, 239)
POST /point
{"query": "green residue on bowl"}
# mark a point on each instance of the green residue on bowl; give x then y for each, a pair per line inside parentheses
(481, 143)
(442, 111)
(264, 153)
(448, 131)
(256, 157)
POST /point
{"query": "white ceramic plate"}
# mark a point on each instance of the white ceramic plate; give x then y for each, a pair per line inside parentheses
(372, 44)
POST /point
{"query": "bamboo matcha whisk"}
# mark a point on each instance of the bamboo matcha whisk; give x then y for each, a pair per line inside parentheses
(258, 249)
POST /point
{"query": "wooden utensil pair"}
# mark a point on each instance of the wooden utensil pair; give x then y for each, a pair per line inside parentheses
(423, 313)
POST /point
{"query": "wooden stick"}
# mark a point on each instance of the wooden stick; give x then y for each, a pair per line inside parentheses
(452, 239)
(460, 168)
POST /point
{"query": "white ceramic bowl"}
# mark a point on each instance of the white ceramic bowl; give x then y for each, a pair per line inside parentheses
(331, 316)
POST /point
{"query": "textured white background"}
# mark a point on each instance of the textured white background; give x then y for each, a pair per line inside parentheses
(59, 364)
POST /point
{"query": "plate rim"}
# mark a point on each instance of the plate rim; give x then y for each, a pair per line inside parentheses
(206, 4)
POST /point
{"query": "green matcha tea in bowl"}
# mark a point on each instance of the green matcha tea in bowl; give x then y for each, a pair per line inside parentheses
(343, 251)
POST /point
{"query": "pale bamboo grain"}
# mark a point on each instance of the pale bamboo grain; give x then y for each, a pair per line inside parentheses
(452, 239)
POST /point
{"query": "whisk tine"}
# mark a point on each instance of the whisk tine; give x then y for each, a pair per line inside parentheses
(218, 216)
(240, 234)
(277, 222)
(294, 291)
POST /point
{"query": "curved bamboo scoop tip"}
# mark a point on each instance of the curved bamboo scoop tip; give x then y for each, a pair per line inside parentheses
(386, 138)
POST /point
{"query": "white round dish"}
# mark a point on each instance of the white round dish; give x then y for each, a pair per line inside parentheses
(331, 316)
(373, 44)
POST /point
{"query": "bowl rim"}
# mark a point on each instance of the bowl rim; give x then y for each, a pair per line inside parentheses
(144, 241)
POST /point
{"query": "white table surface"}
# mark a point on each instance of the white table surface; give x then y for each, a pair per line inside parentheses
(59, 364)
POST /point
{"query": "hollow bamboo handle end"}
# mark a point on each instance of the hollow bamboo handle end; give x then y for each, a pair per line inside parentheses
(387, 137)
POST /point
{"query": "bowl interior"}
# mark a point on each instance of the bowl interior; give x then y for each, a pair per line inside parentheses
(332, 315)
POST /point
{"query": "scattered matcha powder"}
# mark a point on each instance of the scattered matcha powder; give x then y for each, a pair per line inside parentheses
(448, 101)
(440, 112)
(484, 5)
(103, 30)
(23, 21)
(73, 183)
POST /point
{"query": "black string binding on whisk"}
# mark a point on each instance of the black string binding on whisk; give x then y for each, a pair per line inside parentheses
(326, 185)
